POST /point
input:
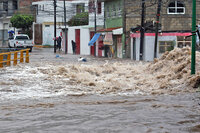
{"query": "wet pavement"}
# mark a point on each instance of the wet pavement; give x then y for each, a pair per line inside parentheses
(56, 102)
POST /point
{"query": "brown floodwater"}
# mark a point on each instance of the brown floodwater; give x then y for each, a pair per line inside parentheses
(59, 94)
(94, 113)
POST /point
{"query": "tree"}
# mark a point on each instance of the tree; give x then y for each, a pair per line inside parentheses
(79, 19)
(22, 21)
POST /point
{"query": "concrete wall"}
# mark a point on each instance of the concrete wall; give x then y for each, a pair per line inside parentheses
(71, 36)
(84, 40)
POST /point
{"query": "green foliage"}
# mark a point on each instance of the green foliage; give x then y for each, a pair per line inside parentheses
(79, 19)
(22, 21)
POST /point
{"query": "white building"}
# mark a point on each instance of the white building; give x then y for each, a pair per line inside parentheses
(166, 42)
(7, 9)
(43, 29)
(44, 26)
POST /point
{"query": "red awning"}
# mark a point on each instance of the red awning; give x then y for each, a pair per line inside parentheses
(108, 29)
(163, 34)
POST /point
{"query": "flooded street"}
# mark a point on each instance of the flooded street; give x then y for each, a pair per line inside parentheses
(56, 93)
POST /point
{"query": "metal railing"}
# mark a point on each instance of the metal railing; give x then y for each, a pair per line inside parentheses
(7, 57)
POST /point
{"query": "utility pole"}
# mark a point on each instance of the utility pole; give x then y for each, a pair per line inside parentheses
(65, 28)
(193, 52)
(95, 24)
(157, 24)
(142, 30)
(54, 26)
(124, 29)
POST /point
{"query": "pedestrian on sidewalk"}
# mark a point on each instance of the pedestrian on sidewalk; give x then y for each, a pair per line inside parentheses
(74, 47)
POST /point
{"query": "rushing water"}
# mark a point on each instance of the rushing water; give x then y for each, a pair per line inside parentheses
(102, 95)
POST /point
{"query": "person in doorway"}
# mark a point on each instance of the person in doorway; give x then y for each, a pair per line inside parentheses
(74, 47)
(59, 39)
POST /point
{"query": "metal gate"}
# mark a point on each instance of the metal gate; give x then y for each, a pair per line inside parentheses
(38, 39)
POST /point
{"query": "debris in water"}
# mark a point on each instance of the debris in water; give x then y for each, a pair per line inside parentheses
(82, 59)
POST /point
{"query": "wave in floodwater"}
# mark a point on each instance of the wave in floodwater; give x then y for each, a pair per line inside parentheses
(169, 74)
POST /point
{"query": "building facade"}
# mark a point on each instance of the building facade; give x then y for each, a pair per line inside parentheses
(114, 39)
(7, 9)
(44, 26)
(96, 9)
(175, 19)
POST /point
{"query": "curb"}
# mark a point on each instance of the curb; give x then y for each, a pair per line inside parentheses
(42, 46)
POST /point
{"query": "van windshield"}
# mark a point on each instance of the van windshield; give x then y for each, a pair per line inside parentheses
(21, 37)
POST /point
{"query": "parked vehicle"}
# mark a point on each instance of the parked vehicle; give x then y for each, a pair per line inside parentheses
(20, 41)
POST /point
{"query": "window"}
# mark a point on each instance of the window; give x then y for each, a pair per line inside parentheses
(22, 38)
(182, 41)
(42, 7)
(39, 8)
(15, 5)
(91, 7)
(176, 7)
(80, 8)
(5, 5)
(165, 46)
(118, 11)
(5, 25)
(99, 7)
(114, 10)
(107, 12)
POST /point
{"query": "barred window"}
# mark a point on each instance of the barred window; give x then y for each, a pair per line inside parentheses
(165, 46)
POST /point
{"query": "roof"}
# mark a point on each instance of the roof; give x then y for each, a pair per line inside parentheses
(108, 29)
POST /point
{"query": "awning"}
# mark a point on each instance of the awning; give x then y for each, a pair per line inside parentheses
(118, 31)
(94, 39)
(108, 29)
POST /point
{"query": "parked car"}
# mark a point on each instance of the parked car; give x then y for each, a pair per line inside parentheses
(20, 41)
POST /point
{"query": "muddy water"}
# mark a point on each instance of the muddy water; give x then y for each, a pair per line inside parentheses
(102, 95)
(83, 114)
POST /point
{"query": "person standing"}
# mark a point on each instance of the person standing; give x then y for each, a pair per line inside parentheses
(74, 47)
(59, 42)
